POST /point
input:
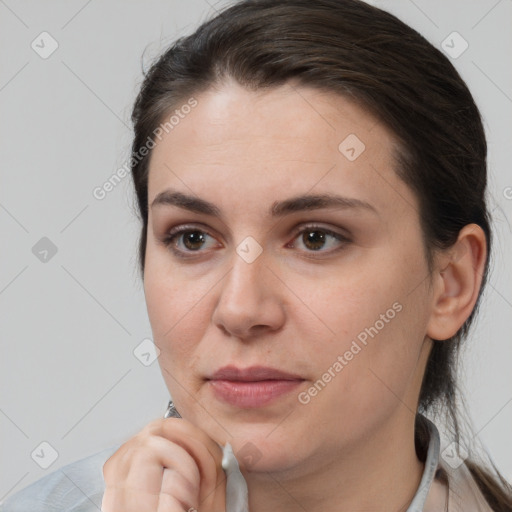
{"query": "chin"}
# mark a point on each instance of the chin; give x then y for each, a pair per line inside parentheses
(259, 452)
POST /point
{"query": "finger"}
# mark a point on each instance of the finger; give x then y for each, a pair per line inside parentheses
(151, 466)
(150, 458)
(206, 452)
(156, 448)
(120, 499)
(178, 487)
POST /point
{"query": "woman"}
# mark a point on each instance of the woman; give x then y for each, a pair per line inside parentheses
(311, 182)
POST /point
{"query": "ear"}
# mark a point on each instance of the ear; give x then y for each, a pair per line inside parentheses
(457, 279)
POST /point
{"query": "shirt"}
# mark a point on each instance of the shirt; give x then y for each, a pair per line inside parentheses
(79, 486)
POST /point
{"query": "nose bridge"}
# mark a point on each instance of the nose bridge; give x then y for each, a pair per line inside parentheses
(244, 283)
(246, 298)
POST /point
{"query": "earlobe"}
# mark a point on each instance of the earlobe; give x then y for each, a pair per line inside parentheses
(457, 284)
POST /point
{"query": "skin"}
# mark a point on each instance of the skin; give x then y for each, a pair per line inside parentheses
(295, 308)
(170, 466)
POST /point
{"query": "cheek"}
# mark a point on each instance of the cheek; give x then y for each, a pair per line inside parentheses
(373, 378)
(177, 315)
(372, 335)
(175, 319)
(343, 305)
(172, 296)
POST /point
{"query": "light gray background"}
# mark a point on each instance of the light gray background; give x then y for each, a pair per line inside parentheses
(69, 326)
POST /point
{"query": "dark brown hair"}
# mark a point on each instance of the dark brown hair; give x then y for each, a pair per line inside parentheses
(369, 56)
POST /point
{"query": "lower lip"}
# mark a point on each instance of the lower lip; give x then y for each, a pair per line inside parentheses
(253, 393)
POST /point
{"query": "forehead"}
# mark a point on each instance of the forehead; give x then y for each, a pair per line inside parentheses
(240, 146)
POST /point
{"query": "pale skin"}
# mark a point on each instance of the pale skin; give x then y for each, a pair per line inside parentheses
(351, 447)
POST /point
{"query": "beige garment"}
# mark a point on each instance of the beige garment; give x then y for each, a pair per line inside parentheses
(455, 490)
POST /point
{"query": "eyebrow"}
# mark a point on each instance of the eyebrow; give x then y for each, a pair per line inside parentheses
(278, 209)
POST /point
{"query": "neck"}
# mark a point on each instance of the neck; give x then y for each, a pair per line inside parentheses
(381, 473)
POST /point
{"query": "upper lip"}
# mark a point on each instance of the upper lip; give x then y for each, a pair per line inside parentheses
(252, 373)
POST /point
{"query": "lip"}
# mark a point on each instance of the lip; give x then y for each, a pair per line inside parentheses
(252, 374)
(251, 387)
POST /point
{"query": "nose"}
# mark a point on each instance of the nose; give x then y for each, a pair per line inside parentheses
(250, 301)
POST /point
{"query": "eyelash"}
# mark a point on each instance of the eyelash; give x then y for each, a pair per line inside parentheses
(169, 239)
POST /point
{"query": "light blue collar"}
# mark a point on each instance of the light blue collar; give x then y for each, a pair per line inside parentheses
(431, 462)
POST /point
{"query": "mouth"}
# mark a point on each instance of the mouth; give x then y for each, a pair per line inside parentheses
(251, 387)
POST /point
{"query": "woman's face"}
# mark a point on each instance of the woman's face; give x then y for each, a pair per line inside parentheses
(335, 294)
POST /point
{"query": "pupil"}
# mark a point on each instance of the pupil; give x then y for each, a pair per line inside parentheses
(316, 238)
(193, 237)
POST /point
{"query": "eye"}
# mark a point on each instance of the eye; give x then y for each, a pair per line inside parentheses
(316, 238)
(185, 240)
(188, 239)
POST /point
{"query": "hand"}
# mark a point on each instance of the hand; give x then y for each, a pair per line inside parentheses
(170, 465)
